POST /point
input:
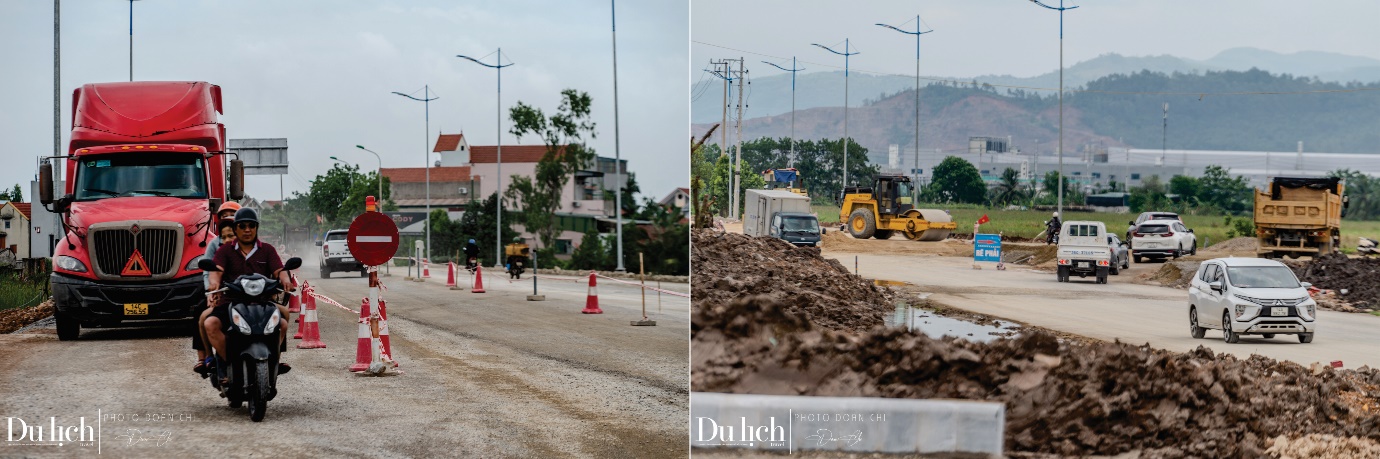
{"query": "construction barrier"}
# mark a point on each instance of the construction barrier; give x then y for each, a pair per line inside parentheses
(592, 299)
(478, 280)
(426, 268)
(363, 352)
(310, 331)
(450, 276)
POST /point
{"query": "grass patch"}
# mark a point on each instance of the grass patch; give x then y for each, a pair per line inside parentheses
(16, 292)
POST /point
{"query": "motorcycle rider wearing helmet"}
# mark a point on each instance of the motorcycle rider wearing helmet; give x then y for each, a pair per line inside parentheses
(471, 250)
(247, 255)
(1052, 227)
(225, 219)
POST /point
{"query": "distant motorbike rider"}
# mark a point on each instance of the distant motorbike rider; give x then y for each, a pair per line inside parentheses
(247, 255)
(1052, 228)
(471, 252)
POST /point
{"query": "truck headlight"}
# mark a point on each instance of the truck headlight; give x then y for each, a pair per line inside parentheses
(191, 265)
(70, 264)
(240, 322)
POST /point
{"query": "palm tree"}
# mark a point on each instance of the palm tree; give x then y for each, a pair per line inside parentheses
(1010, 188)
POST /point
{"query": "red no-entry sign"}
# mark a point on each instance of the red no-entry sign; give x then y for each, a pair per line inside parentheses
(373, 238)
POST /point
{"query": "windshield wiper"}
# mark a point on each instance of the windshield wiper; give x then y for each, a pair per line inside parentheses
(152, 192)
(112, 193)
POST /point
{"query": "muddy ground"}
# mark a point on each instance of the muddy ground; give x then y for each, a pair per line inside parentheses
(1063, 397)
(14, 319)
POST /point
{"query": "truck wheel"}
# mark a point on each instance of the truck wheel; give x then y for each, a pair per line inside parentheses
(1102, 275)
(1227, 334)
(363, 272)
(862, 224)
(68, 328)
(325, 272)
(883, 234)
(1062, 274)
(1305, 337)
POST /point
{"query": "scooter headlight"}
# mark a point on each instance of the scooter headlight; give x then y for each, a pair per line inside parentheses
(253, 287)
(240, 322)
(272, 323)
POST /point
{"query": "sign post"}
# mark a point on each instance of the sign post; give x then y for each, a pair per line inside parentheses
(372, 239)
(987, 247)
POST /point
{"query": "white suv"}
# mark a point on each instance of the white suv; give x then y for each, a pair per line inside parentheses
(1250, 296)
(1162, 239)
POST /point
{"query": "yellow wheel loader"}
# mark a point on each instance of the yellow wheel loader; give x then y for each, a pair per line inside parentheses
(886, 208)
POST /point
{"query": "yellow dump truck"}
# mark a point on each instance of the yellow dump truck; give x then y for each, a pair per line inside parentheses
(1300, 216)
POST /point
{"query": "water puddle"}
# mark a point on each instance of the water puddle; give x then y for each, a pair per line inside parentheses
(936, 326)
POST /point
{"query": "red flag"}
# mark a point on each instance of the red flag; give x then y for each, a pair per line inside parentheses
(983, 219)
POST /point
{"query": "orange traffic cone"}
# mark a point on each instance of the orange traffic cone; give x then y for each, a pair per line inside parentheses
(311, 332)
(363, 355)
(592, 300)
(478, 280)
(450, 276)
(426, 268)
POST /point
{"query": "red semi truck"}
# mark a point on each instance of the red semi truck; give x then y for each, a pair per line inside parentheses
(145, 171)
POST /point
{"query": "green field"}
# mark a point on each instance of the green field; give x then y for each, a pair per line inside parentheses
(1029, 223)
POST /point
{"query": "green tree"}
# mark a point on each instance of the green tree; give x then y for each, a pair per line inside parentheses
(1221, 190)
(447, 236)
(1188, 188)
(14, 194)
(480, 223)
(1010, 188)
(1361, 191)
(956, 180)
(338, 195)
(564, 135)
(662, 243)
(592, 254)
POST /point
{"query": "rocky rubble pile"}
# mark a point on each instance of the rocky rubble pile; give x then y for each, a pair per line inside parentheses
(1067, 399)
(728, 266)
(1360, 277)
(14, 319)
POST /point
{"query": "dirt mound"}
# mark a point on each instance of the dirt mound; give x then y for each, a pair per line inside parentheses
(1325, 447)
(1068, 399)
(1032, 255)
(14, 319)
(839, 241)
(1174, 274)
(1240, 244)
(1337, 272)
(730, 266)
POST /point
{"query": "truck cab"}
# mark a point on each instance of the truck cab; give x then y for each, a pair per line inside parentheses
(145, 171)
(797, 228)
(1084, 251)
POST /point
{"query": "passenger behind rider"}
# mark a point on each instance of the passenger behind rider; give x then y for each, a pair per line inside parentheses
(248, 255)
(471, 251)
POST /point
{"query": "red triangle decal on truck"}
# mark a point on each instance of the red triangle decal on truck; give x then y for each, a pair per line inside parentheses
(136, 266)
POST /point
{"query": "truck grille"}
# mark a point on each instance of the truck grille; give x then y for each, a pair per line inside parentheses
(113, 247)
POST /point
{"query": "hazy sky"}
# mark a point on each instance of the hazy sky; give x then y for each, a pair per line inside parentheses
(321, 73)
(1017, 37)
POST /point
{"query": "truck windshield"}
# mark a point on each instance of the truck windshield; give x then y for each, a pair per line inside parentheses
(1262, 277)
(140, 174)
(801, 224)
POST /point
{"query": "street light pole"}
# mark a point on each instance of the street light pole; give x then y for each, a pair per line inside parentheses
(380, 177)
(1060, 207)
(914, 176)
(131, 39)
(845, 55)
(617, 158)
(790, 161)
(498, 114)
(426, 100)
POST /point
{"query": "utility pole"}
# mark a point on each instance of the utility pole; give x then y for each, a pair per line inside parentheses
(1060, 9)
(790, 161)
(617, 157)
(729, 75)
(845, 54)
(737, 166)
(915, 177)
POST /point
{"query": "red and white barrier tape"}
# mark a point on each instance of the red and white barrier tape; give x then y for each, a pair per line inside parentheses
(668, 292)
(328, 300)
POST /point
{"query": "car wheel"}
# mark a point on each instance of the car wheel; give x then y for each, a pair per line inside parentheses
(1195, 248)
(1116, 270)
(1305, 337)
(1268, 335)
(1179, 252)
(1197, 331)
(1227, 334)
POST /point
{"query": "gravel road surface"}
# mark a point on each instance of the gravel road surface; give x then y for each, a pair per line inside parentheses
(484, 375)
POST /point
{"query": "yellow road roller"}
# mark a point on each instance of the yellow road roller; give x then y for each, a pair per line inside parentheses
(886, 208)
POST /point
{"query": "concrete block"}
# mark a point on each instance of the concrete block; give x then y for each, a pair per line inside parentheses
(536, 297)
(852, 424)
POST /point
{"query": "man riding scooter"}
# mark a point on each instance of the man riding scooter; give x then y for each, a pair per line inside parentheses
(1052, 228)
(246, 255)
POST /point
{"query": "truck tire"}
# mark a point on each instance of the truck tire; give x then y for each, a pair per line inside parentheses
(363, 272)
(1062, 274)
(862, 224)
(883, 234)
(68, 328)
(325, 272)
(1102, 275)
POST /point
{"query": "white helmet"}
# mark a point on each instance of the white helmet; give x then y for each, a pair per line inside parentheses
(1056, 215)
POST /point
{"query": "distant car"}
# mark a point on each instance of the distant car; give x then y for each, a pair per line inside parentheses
(1250, 296)
(1121, 255)
(1159, 239)
(336, 256)
(1148, 216)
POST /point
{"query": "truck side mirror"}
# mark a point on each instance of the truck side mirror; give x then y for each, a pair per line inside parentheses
(236, 179)
(318, 243)
(214, 204)
(45, 183)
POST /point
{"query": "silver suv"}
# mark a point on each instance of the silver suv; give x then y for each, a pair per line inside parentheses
(336, 256)
(1250, 296)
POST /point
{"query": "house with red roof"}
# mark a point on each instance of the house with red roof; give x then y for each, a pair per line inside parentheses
(15, 218)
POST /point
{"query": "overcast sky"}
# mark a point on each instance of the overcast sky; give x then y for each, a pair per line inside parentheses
(1017, 37)
(321, 73)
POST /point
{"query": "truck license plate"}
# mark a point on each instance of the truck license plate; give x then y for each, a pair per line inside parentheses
(1279, 311)
(136, 309)
(1082, 264)
(348, 259)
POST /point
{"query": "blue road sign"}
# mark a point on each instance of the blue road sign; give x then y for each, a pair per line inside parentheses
(987, 247)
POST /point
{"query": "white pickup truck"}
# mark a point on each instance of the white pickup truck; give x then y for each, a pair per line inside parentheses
(1083, 251)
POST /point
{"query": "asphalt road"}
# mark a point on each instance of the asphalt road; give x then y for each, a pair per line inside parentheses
(486, 375)
(1133, 313)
